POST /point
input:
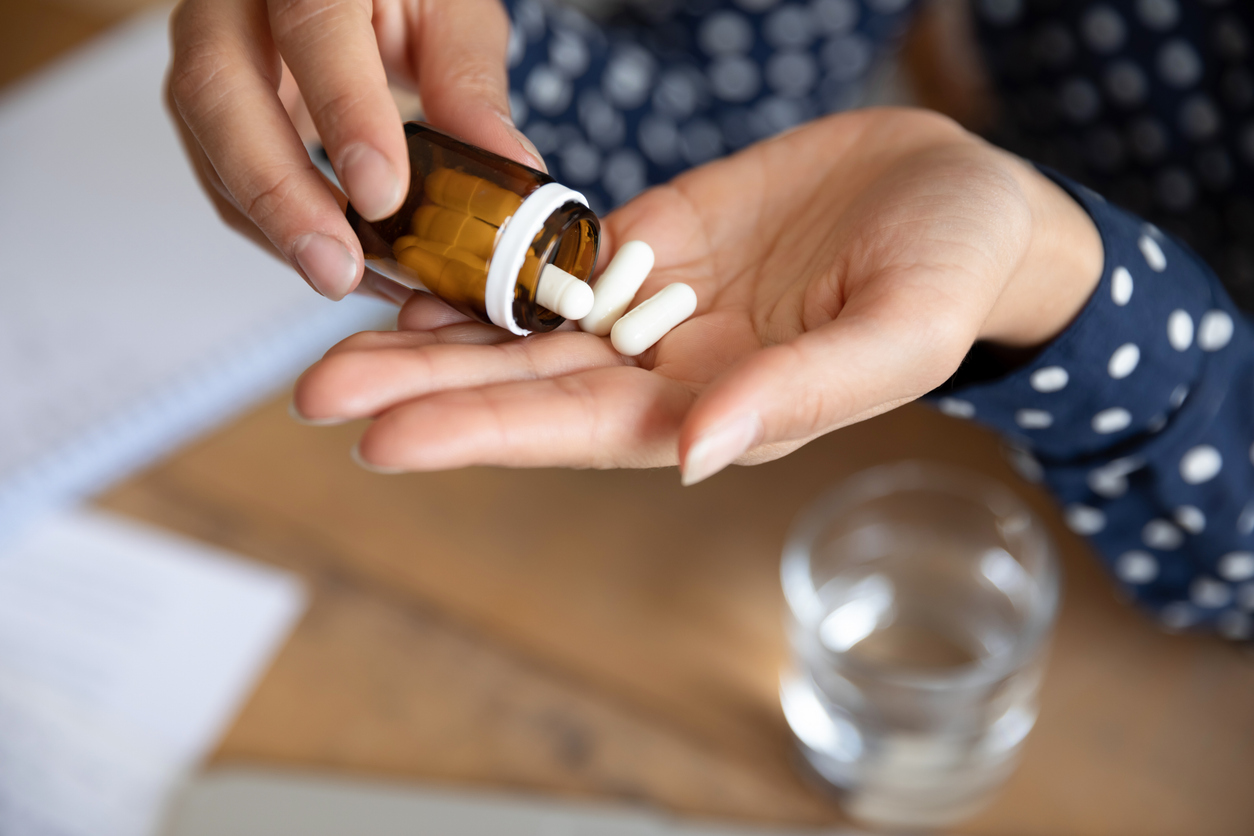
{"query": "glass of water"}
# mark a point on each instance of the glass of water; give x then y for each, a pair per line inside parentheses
(920, 601)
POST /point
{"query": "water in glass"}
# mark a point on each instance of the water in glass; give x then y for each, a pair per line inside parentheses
(920, 598)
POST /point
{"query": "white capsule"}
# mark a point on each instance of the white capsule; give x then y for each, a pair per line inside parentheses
(562, 293)
(649, 321)
(617, 286)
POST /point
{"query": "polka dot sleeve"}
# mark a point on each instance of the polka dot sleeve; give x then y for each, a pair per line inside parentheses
(617, 105)
(1140, 418)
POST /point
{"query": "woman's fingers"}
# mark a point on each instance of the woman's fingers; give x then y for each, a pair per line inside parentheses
(615, 417)
(368, 373)
(223, 82)
(211, 183)
(424, 312)
(458, 57)
(330, 47)
(877, 354)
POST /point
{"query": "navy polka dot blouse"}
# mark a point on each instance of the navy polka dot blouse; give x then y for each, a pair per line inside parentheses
(1140, 416)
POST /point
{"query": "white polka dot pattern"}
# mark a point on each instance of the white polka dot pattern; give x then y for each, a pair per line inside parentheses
(1191, 519)
(1049, 379)
(791, 73)
(628, 77)
(734, 78)
(725, 33)
(548, 91)
(1153, 253)
(1199, 118)
(1180, 330)
(1084, 519)
(625, 175)
(1124, 361)
(1126, 83)
(1178, 63)
(1103, 29)
(1107, 484)
(1111, 480)
(1214, 331)
(581, 162)
(1112, 420)
(789, 27)
(1200, 464)
(834, 16)
(1121, 286)
(1033, 419)
(1136, 567)
(1210, 593)
(1158, 14)
(1162, 535)
(956, 407)
(568, 53)
(1236, 566)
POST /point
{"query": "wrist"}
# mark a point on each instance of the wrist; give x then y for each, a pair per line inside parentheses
(1060, 268)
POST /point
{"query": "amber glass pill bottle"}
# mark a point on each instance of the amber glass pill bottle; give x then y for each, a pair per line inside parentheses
(478, 230)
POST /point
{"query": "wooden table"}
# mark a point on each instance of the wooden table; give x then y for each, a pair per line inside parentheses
(455, 639)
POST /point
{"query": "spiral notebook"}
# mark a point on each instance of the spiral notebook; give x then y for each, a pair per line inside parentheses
(131, 317)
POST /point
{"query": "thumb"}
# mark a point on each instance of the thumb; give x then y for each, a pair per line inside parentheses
(876, 355)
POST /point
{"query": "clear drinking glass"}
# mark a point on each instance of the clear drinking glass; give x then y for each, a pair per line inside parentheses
(920, 601)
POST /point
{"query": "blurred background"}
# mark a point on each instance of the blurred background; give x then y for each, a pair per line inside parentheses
(453, 639)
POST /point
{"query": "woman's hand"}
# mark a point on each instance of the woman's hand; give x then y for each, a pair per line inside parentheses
(242, 70)
(841, 269)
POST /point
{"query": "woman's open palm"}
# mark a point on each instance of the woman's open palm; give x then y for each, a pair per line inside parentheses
(841, 269)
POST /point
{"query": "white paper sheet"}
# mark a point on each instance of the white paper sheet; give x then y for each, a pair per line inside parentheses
(124, 653)
(131, 317)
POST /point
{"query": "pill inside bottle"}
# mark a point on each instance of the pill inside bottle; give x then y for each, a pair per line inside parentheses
(501, 242)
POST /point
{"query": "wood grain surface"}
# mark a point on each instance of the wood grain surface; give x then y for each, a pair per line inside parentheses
(456, 636)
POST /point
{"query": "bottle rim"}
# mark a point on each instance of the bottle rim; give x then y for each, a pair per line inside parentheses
(516, 235)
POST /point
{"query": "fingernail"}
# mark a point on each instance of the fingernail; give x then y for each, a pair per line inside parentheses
(527, 145)
(326, 263)
(355, 453)
(373, 186)
(720, 447)
(312, 422)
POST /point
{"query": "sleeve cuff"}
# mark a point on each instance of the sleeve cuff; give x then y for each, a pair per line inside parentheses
(1126, 363)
